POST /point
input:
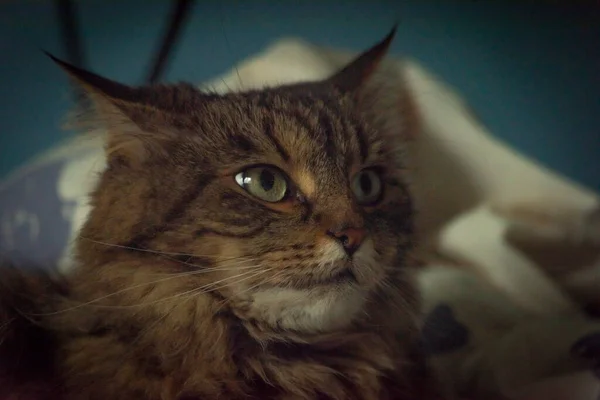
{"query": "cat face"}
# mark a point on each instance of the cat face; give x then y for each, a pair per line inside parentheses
(290, 199)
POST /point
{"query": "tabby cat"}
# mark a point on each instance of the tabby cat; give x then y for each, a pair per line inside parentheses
(246, 245)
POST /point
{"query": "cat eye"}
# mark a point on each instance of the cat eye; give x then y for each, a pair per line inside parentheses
(264, 182)
(367, 186)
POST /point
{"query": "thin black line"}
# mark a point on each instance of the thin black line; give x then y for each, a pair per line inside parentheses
(175, 212)
(70, 32)
(180, 12)
(363, 143)
(268, 131)
(327, 125)
(178, 209)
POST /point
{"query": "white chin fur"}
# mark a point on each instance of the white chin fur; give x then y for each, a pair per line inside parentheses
(308, 310)
(319, 309)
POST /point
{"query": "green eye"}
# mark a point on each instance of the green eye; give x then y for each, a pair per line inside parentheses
(266, 183)
(367, 186)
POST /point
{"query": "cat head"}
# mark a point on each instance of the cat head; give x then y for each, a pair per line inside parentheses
(290, 200)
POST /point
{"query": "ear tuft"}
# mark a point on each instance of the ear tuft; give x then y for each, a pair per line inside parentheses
(381, 92)
(119, 110)
(95, 83)
(358, 71)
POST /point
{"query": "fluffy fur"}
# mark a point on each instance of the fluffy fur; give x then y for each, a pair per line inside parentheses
(189, 287)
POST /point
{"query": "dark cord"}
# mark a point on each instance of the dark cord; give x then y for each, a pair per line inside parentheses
(71, 37)
(70, 32)
(180, 12)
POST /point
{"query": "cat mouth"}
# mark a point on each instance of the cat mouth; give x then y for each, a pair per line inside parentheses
(343, 276)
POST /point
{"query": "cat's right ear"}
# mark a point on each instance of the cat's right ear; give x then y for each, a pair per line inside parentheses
(118, 109)
(357, 73)
(380, 90)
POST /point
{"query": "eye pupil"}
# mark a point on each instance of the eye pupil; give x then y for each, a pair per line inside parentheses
(367, 187)
(365, 184)
(267, 180)
(267, 183)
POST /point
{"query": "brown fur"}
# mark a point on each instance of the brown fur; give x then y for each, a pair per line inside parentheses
(186, 284)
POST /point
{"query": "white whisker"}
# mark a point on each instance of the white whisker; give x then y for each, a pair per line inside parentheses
(195, 291)
(165, 253)
(172, 276)
(224, 302)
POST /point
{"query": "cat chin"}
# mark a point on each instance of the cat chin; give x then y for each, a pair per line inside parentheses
(312, 310)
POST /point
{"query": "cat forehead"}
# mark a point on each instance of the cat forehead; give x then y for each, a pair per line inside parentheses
(294, 123)
(309, 130)
(317, 135)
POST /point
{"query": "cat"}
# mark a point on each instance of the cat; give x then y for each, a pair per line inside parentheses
(248, 245)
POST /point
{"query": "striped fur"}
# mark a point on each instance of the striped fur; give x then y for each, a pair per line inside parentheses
(190, 288)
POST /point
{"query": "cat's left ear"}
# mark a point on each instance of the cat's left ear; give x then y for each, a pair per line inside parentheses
(380, 89)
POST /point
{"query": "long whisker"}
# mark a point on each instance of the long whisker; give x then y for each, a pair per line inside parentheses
(189, 297)
(262, 282)
(137, 286)
(161, 252)
(199, 290)
(224, 267)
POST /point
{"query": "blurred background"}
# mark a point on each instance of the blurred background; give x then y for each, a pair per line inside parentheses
(529, 69)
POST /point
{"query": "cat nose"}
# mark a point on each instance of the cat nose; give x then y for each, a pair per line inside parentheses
(350, 238)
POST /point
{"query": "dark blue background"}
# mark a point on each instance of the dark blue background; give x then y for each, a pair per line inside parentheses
(531, 71)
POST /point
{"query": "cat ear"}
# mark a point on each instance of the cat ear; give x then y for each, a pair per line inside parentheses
(358, 72)
(117, 108)
(380, 90)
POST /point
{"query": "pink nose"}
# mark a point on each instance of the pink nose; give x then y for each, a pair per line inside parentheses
(350, 238)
